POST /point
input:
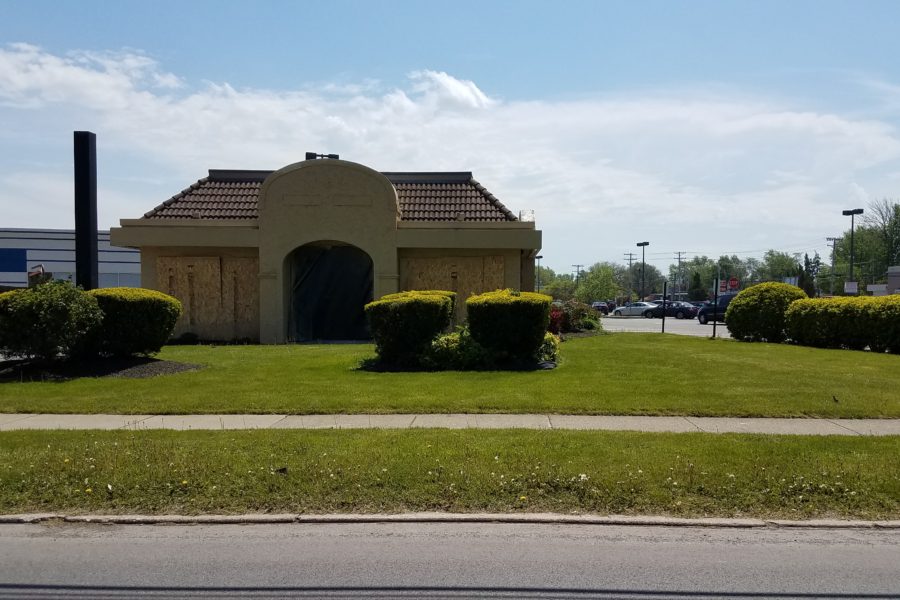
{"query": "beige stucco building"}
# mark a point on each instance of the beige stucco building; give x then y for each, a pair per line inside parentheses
(294, 254)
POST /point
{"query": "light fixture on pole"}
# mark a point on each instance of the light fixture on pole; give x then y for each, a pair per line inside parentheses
(538, 259)
(852, 213)
(642, 246)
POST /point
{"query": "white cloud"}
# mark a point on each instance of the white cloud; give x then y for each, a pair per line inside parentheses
(689, 168)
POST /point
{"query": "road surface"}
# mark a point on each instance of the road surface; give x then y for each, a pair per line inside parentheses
(677, 326)
(449, 560)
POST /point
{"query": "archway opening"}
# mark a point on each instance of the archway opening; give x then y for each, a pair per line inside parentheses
(329, 283)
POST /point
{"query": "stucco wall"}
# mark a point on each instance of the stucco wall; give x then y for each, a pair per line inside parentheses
(322, 200)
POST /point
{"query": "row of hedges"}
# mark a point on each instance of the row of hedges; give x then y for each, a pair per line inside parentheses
(757, 313)
(778, 312)
(848, 322)
(505, 327)
(56, 319)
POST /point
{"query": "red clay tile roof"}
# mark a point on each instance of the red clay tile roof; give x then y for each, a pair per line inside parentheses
(226, 194)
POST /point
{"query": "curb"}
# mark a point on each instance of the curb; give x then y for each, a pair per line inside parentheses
(537, 519)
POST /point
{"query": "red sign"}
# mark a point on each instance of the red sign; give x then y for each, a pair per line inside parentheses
(733, 283)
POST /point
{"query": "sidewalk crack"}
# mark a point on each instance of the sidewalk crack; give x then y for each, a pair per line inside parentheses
(844, 427)
(695, 425)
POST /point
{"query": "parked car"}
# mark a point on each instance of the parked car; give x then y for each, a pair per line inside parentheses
(601, 307)
(677, 309)
(715, 312)
(635, 309)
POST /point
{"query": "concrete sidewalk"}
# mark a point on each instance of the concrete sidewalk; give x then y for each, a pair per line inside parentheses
(869, 427)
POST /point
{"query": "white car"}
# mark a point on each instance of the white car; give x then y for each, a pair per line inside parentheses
(635, 309)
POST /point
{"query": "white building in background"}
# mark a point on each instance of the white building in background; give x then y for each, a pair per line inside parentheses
(23, 250)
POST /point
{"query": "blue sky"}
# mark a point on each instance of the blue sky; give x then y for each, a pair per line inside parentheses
(705, 127)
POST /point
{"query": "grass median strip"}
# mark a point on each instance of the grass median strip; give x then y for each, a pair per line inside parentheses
(624, 374)
(459, 471)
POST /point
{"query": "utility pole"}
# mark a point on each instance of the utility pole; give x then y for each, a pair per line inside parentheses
(577, 274)
(679, 282)
(630, 256)
(834, 242)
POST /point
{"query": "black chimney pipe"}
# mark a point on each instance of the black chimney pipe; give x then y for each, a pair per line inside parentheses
(86, 210)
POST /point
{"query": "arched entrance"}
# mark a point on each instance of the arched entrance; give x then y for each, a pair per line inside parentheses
(328, 284)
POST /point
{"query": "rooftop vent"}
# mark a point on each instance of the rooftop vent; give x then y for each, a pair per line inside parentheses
(314, 156)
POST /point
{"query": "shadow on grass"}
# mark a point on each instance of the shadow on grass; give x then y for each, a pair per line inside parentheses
(133, 367)
(374, 365)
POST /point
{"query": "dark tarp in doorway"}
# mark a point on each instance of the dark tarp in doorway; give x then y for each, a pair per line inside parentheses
(329, 285)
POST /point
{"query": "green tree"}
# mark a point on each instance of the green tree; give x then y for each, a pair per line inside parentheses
(732, 266)
(543, 276)
(808, 274)
(776, 266)
(697, 291)
(868, 256)
(705, 268)
(597, 283)
(561, 288)
(883, 216)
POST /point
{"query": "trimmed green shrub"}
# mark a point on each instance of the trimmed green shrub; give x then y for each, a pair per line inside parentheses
(135, 321)
(508, 323)
(884, 313)
(404, 325)
(5, 300)
(757, 313)
(853, 322)
(49, 320)
(451, 295)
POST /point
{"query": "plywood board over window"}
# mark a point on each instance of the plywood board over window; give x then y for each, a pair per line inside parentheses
(220, 295)
(465, 275)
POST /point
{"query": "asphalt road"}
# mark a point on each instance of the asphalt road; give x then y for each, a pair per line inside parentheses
(445, 561)
(677, 326)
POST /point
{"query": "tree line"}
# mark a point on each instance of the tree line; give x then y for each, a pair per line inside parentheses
(876, 247)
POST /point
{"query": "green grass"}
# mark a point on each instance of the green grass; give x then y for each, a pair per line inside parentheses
(460, 471)
(627, 374)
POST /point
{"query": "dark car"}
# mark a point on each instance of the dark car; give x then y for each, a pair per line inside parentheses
(677, 309)
(601, 307)
(715, 312)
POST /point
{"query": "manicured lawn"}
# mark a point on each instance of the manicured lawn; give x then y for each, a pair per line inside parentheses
(623, 373)
(494, 471)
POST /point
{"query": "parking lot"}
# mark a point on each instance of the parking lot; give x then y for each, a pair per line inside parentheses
(676, 326)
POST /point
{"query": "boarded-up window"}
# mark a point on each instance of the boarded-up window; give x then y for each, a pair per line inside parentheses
(220, 295)
(465, 275)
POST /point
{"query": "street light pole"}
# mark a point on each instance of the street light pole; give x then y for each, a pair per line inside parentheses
(852, 213)
(642, 246)
(538, 258)
(834, 242)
